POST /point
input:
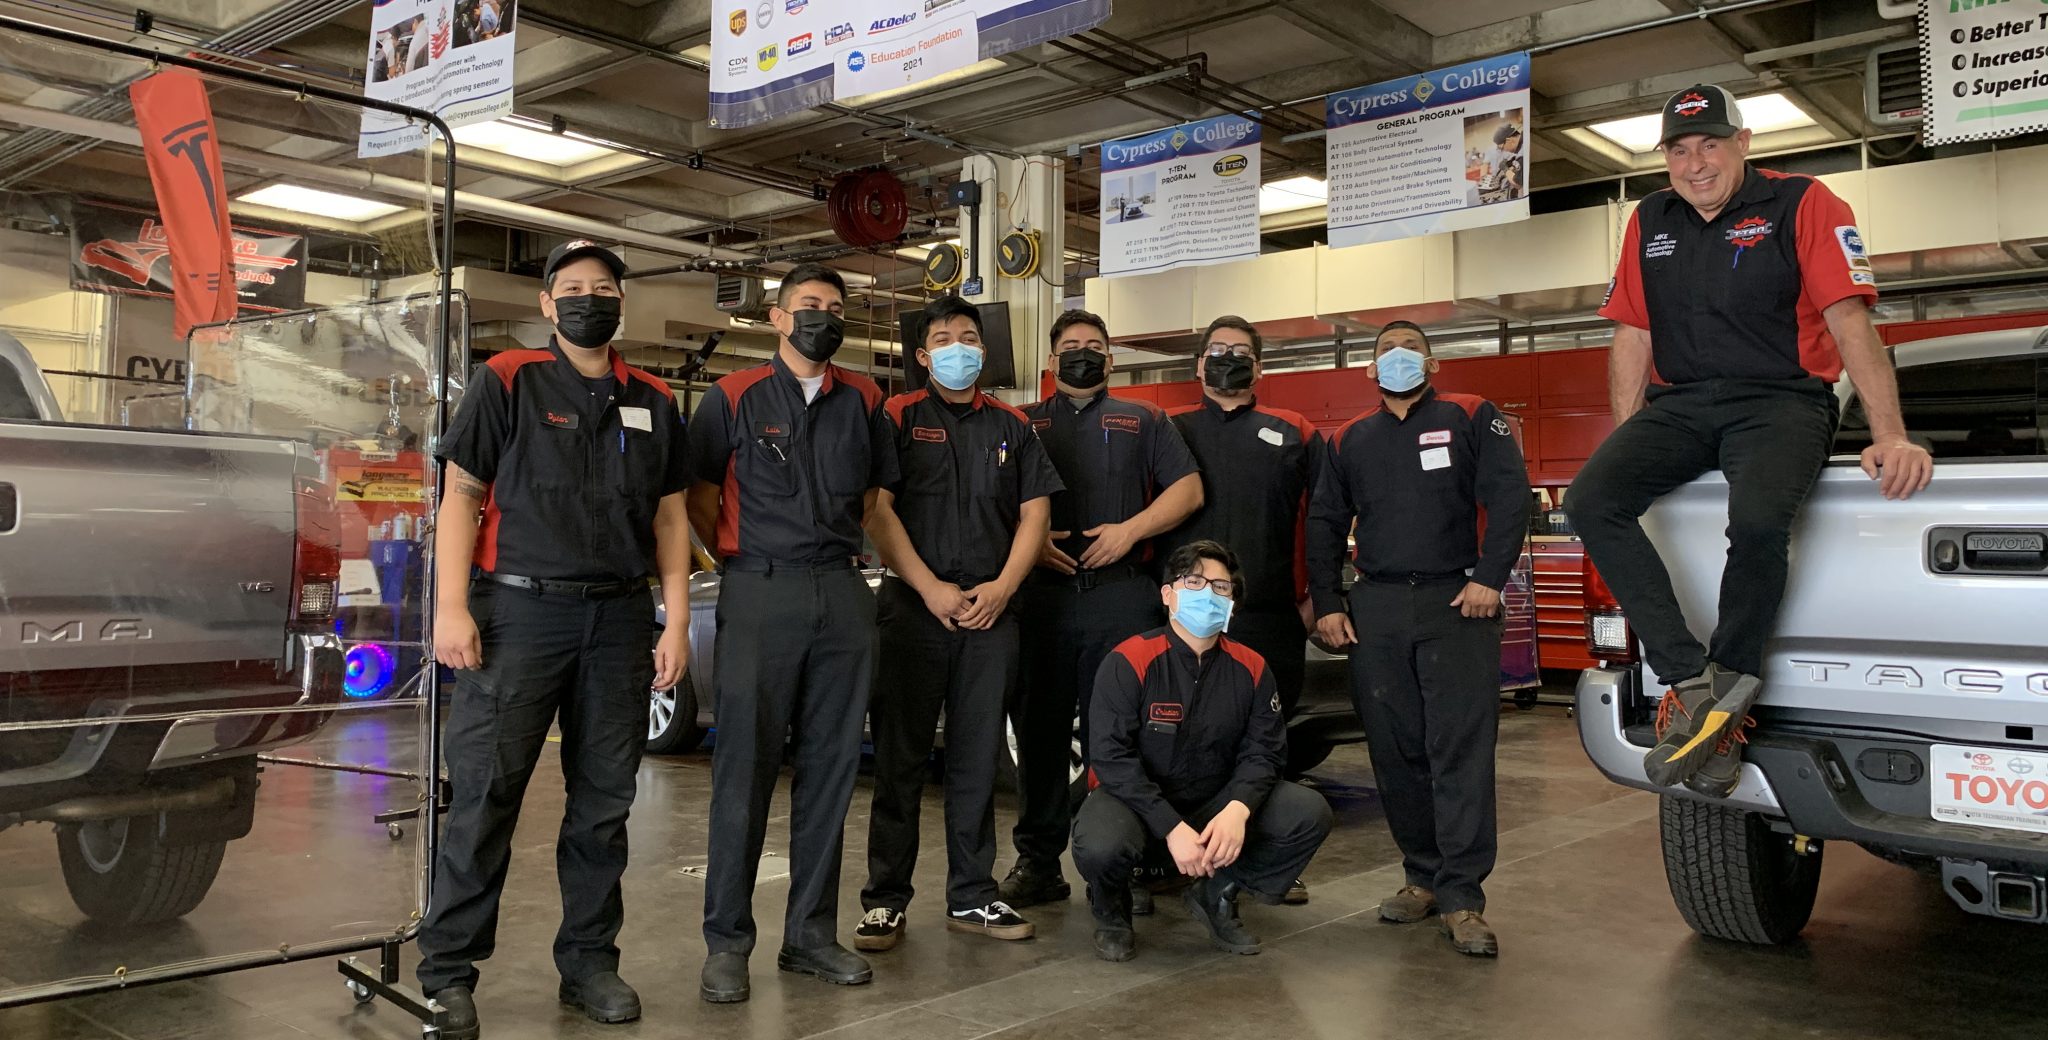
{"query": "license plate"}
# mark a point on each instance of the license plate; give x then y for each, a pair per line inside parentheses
(1989, 787)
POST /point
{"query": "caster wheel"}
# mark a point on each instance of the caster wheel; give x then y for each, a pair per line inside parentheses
(1525, 699)
(394, 831)
(362, 993)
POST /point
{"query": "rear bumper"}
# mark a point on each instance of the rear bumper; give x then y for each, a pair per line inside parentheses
(1601, 696)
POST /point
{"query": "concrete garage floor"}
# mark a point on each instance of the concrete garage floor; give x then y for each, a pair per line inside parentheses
(1593, 947)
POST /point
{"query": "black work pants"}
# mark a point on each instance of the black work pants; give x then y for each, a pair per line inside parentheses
(1066, 630)
(588, 664)
(925, 669)
(1426, 680)
(1770, 440)
(1279, 636)
(1280, 838)
(794, 658)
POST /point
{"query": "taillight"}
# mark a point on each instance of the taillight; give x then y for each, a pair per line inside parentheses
(1608, 637)
(316, 566)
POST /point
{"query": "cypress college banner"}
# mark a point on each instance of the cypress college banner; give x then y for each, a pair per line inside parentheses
(1181, 196)
(1985, 68)
(1442, 151)
(773, 57)
(450, 57)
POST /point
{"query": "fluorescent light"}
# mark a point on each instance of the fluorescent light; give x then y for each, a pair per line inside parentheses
(509, 138)
(1764, 114)
(319, 203)
(1292, 193)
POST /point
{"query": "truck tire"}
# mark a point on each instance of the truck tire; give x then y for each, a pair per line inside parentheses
(122, 871)
(1733, 877)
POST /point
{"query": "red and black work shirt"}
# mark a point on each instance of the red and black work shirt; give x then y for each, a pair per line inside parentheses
(1258, 465)
(1741, 296)
(965, 471)
(1169, 731)
(576, 466)
(1114, 456)
(793, 473)
(1442, 493)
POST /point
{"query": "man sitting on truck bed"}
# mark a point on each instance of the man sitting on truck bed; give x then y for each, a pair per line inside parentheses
(1745, 293)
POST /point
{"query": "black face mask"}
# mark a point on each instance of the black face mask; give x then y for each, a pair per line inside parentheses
(587, 321)
(817, 334)
(1084, 369)
(1228, 373)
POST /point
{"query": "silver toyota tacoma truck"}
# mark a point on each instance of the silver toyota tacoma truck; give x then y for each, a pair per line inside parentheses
(150, 581)
(1906, 707)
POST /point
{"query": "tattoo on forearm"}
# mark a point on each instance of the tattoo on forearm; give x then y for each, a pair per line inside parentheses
(470, 487)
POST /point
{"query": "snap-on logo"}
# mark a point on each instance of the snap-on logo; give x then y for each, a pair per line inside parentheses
(1435, 437)
(1747, 233)
(928, 434)
(1166, 713)
(1124, 423)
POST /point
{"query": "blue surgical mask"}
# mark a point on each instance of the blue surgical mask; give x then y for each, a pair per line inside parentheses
(1400, 370)
(1203, 612)
(956, 365)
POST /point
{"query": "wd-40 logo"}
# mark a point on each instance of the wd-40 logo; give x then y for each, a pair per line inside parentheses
(839, 33)
(882, 25)
(767, 56)
(1747, 233)
(1691, 104)
(1423, 89)
(798, 45)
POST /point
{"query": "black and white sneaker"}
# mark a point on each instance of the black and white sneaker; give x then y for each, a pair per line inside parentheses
(996, 920)
(880, 930)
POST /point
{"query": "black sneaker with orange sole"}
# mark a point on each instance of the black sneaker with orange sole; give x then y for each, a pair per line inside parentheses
(1692, 719)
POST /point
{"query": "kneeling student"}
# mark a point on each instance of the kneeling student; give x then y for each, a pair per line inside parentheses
(1186, 739)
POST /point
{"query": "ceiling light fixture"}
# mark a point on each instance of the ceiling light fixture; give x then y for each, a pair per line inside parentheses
(332, 205)
(521, 141)
(1763, 114)
(1292, 193)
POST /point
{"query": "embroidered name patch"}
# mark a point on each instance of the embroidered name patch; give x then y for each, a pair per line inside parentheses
(1121, 423)
(928, 434)
(1166, 713)
(1435, 437)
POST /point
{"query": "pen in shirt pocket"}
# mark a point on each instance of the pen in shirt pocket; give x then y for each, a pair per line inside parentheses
(1003, 454)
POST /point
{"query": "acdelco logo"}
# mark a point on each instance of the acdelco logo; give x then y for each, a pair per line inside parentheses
(893, 22)
(1232, 165)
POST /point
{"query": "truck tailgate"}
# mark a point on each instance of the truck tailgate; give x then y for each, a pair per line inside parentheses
(134, 548)
(1880, 631)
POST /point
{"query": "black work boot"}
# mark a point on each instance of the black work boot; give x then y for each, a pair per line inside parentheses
(1692, 719)
(835, 964)
(604, 997)
(725, 979)
(1114, 938)
(1214, 904)
(1030, 884)
(460, 1004)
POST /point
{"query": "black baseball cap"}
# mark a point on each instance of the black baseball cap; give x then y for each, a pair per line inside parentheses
(1701, 109)
(577, 249)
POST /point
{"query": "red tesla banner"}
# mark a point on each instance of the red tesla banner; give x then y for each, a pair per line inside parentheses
(183, 149)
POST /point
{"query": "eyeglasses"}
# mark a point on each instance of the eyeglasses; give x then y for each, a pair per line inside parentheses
(1196, 582)
(1243, 350)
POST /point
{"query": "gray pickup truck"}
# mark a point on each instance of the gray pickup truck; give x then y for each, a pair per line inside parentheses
(1907, 700)
(168, 586)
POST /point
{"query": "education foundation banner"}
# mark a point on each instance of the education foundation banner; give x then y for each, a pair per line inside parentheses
(449, 57)
(1181, 196)
(1443, 151)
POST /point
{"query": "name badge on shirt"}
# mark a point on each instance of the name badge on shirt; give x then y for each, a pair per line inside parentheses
(1435, 437)
(1270, 436)
(560, 420)
(637, 418)
(1436, 458)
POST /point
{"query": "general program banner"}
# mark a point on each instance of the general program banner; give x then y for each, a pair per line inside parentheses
(773, 57)
(1443, 151)
(1984, 69)
(450, 57)
(1181, 196)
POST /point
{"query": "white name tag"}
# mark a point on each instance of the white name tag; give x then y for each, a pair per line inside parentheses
(637, 418)
(1270, 436)
(1436, 458)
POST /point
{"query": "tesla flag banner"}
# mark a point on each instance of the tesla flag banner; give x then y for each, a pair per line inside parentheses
(1984, 69)
(1442, 151)
(773, 57)
(128, 251)
(450, 57)
(182, 148)
(1182, 196)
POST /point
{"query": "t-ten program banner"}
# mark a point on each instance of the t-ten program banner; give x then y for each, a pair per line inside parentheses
(120, 250)
(773, 57)
(450, 57)
(1443, 151)
(1984, 69)
(1182, 196)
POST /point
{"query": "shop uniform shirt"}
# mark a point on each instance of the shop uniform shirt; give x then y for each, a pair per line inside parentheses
(1168, 731)
(965, 470)
(1114, 456)
(576, 466)
(1741, 296)
(1258, 464)
(1421, 489)
(794, 473)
